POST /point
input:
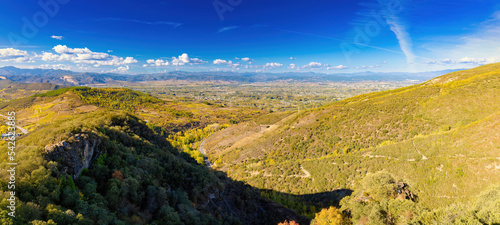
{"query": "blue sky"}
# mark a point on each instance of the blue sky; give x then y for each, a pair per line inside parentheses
(325, 36)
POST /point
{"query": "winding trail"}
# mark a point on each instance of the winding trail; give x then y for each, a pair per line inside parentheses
(18, 127)
(307, 174)
(423, 156)
(207, 162)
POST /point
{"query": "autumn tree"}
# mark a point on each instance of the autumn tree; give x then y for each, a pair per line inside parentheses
(330, 216)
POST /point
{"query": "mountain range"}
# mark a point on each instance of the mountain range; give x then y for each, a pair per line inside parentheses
(70, 78)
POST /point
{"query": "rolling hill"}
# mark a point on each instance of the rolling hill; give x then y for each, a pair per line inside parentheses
(44, 108)
(440, 137)
(11, 90)
(89, 160)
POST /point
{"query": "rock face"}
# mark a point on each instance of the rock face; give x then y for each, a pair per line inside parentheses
(75, 155)
(404, 193)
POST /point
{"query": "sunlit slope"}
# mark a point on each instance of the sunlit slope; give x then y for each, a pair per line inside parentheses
(42, 109)
(109, 167)
(441, 136)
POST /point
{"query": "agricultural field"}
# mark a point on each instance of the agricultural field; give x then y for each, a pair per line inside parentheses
(275, 96)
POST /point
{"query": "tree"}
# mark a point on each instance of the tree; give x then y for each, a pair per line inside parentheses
(330, 216)
(379, 186)
(168, 216)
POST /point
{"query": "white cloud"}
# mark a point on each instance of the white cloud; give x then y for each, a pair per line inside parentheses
(120, 69)
(246, 59)
(400, 31)
(57, 37)
(313, 65)
(47, 56)
(292, 66)
(56, 66)
(480, 45)
(85, 56)
(63, 49)
(292, 58)
(129, 60)
(339, 67)
(235, 65)
(158, 62)
(13, 55)
(185, 59)
(465, 60)
(222, 62)
(176, 61)
(473, 61)
(227, 28)
(273, 65)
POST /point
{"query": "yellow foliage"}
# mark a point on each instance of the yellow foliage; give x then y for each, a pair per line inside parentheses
(330, 216)
(4, 129)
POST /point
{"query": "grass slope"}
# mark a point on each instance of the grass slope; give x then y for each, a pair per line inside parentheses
(440, 136)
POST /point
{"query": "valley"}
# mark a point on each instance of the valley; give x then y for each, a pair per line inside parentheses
(293, 149)
(232, 112)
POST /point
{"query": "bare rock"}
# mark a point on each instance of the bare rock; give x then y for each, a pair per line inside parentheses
(75, 155)
(404, 192)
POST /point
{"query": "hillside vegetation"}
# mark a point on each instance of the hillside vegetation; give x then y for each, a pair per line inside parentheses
(130, 175)
(41, 109)
(11, 90)
(423, 154)
(440, 137)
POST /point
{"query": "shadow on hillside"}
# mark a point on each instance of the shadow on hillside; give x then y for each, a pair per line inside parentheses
(237, 199)
(325, 199)
(137, 176)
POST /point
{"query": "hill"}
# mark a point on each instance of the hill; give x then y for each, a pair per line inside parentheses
(41, 109)
(440, 137)
(109, 167)
(11, 90)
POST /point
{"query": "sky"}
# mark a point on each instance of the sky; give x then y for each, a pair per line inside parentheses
(323, 36)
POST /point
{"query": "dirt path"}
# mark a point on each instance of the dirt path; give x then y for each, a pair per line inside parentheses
(207, 162)
(307, 174)
(423, 156)
(251, 138)
(18, 127)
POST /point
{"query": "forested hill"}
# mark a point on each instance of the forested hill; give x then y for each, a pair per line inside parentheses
(440, 137)
(109, 167)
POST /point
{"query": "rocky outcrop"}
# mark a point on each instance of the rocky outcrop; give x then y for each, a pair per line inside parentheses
(76, 154)
(404, 192)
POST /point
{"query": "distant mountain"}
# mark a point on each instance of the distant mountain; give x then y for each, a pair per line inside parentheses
(70, 78)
